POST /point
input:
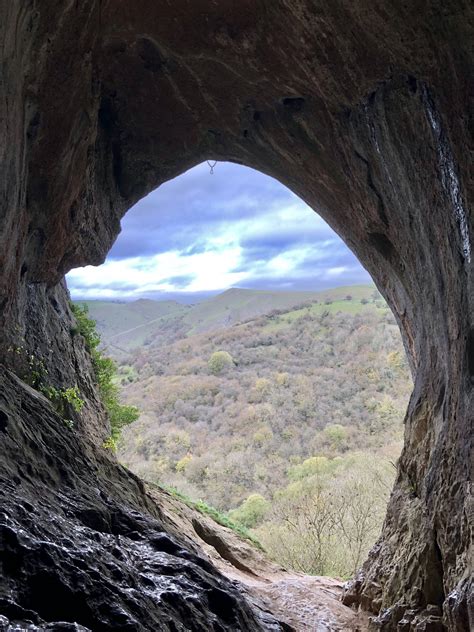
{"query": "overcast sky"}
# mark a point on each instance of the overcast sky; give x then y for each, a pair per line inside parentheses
(200, 234)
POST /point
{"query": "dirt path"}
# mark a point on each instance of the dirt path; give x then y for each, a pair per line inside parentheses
(128, 331)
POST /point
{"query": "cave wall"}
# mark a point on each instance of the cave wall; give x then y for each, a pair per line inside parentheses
(361, 108)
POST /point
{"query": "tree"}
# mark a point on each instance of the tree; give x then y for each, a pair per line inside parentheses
(336, 434)
(105, 371)
(325, 521)
(302, 529)
(219, 361)
(251, 512)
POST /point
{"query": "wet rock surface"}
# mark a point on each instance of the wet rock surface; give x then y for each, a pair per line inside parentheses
(82, 545)
(304, 603)
(361, 108)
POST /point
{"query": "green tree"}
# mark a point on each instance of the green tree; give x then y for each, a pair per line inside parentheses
(314, 465)
(327, 518)
(336, 434)
(251, 512)
(219, 361)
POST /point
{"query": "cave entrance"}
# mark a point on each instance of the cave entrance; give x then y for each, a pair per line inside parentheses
(269, 371)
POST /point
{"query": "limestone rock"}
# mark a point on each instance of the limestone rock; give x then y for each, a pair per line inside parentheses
(82, 545)
(359, 107)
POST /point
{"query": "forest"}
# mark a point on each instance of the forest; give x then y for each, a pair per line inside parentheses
(289, 423)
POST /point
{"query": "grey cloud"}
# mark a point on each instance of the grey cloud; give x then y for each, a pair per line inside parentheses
(195, 204)
(180, 282)
(185, 213)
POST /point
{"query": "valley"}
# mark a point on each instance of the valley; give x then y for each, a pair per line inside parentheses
(281, 411)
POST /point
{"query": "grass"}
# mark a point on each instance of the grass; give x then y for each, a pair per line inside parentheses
(354, 306)
(211, 512)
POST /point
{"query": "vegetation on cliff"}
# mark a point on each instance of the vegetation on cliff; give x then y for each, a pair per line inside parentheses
(105, 371)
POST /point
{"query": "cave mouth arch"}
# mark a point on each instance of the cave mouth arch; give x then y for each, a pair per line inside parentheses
(192, 240)
(342, 103)
(353, 170)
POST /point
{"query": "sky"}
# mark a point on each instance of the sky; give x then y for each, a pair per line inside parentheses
(201, 234)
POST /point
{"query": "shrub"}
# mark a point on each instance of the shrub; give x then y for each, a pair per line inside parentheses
(105, 372)
(63, 400)
(251, 512)
(219, 361)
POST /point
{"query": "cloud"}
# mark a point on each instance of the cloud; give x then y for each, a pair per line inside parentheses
(195, 205)
(181, 281)
(200, 234)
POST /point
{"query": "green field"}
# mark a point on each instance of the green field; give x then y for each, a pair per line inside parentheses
(353, 306)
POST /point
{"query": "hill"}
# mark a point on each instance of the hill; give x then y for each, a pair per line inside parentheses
(238, 305)
(125, 326)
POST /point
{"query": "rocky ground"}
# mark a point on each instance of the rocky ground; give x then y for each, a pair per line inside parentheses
(85, 547)
(304, 603)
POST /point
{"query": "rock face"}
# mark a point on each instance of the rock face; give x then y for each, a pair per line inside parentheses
(83, 543)
(303, 602)
(361, 109)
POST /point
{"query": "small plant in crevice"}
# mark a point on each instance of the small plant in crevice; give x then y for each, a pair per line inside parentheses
(35, 374)
(105, 371)
(32, 370)
(64, 399)
(110, 444)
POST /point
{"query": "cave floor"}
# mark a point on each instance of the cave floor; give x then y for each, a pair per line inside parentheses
(306, 603)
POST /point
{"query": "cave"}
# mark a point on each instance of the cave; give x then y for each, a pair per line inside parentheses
(361, 109)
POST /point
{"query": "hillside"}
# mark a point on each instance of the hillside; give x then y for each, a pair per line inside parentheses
(268, 418)
(238, 305)
(125, 326)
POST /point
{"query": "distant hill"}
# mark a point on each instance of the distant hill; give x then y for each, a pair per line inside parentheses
(238, 305)
(125, 326)
(128, 324)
